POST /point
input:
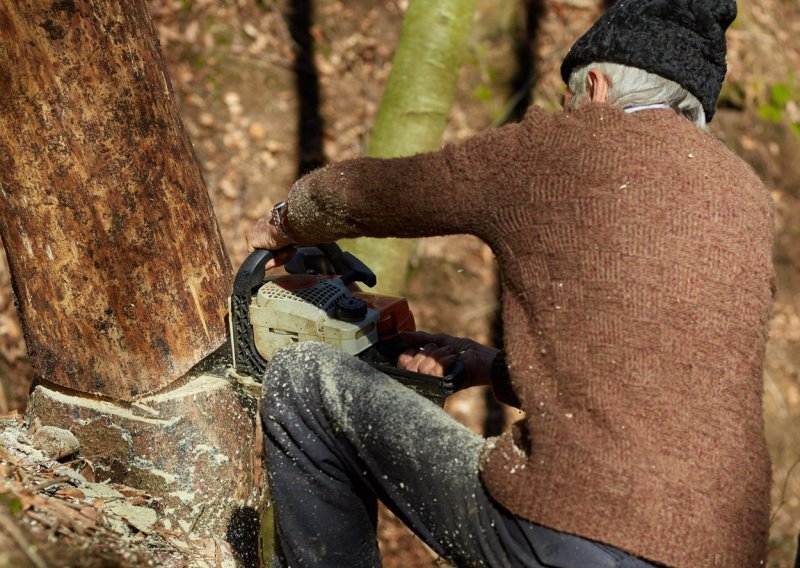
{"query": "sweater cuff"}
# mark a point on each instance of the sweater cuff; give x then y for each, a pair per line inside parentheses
(286, 224)
(501, 381)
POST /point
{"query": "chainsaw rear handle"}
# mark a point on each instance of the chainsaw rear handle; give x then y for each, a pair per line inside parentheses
(384, 355)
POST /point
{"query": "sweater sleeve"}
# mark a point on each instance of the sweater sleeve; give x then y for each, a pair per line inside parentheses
(449, 191)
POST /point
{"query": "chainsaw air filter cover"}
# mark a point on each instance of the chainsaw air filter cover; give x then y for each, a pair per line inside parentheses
(308, 307)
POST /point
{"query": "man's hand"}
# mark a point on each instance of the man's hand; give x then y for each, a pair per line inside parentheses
(434, 354)
(265, 235)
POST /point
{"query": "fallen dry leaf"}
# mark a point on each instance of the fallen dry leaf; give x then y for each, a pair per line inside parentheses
(71, 492)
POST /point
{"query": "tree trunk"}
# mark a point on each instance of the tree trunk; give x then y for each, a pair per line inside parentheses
(115, 254)
(413, 111)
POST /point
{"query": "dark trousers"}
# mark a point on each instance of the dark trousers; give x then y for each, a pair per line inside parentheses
(340, 435)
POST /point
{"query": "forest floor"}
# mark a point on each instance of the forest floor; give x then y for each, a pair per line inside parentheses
(231, 67)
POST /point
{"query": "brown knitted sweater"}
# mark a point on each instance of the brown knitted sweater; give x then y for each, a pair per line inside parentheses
(635, 254)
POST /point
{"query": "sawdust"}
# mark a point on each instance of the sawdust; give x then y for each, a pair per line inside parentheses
(367, 408)
(63, 500)
(104, 407)
(216, 456)
(55, 442)
(149, 467)
(342, 377)
(96, 524)
(202, 385)
(248, 150)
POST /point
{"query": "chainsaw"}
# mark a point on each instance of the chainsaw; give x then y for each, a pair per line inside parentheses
(318, 299)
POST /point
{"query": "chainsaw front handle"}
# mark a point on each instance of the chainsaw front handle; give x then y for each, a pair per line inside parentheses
(251, 272)
(246, 358)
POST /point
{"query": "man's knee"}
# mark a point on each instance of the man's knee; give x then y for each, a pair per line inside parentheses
(297, 373)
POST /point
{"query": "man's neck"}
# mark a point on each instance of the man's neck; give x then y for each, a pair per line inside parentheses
(637, 108)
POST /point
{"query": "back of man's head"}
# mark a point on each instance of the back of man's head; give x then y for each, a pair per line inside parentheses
(681, 40)
(632, 87)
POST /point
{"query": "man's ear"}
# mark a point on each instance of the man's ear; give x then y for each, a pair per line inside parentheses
(599, 85)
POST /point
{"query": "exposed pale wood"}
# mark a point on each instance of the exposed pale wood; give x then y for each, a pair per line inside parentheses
(115, 254)
(193, 447)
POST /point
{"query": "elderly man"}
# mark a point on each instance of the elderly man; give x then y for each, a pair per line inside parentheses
(635, 257)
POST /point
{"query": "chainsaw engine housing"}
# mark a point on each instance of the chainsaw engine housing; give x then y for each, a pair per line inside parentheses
(306, 307)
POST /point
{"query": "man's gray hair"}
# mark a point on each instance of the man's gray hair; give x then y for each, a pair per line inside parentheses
(631, 87)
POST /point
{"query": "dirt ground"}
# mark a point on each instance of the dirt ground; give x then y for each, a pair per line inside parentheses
(231, 66)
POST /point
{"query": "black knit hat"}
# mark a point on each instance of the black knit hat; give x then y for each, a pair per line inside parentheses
(680, 40)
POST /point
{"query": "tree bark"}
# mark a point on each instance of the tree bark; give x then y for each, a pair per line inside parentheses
(413, 111)
(115, 254)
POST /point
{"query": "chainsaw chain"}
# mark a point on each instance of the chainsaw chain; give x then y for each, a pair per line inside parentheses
(248, 359)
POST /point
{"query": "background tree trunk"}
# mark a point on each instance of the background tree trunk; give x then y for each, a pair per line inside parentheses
(413, 111)
(115, 254)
